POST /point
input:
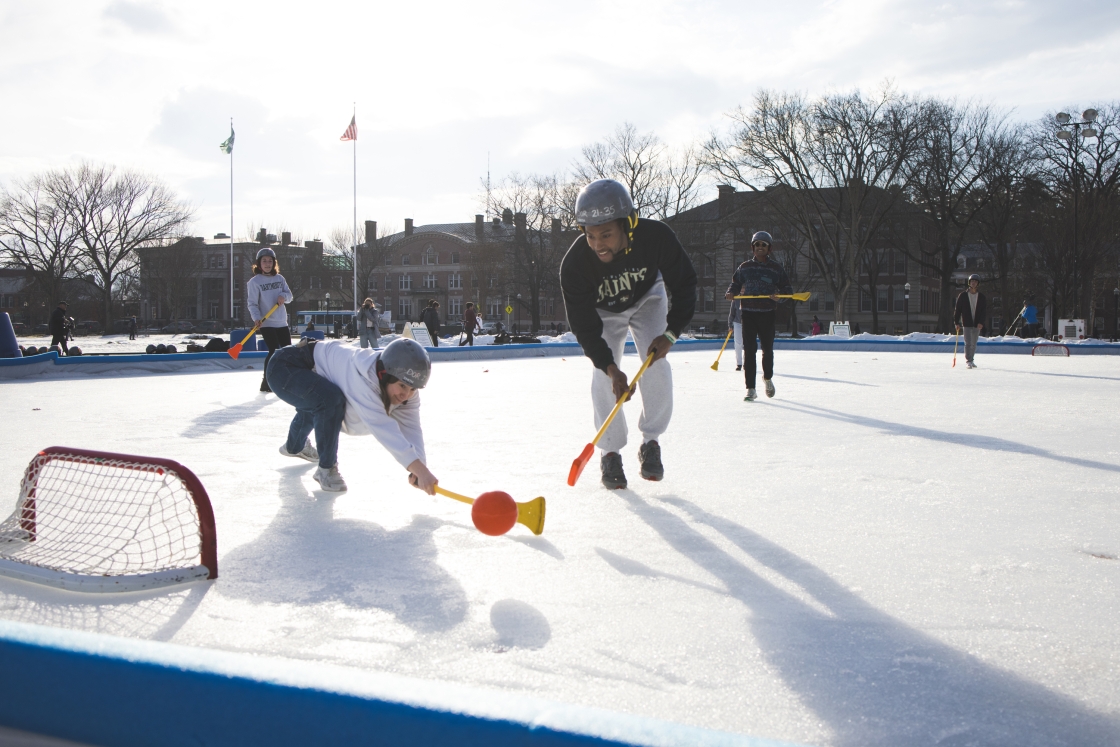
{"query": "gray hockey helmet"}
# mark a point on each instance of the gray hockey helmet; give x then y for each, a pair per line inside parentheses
(265, 252)
(975, 277)
(407, 361)
(762, 236)
(604, 200)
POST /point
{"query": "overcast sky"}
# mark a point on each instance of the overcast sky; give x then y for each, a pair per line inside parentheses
(439, 86)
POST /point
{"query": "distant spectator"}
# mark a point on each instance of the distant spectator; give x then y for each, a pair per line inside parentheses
(368, 318)
(59, 327)
(338, 328)
(969, 314)
(470, 322)
(1030, 318)
(816, 329)
(430, 318)
(132, 328)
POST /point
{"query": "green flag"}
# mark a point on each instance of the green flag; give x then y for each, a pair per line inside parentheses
(227, 146)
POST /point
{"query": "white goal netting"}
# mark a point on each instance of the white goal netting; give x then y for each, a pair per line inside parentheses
(1061, 350)
(94, 521)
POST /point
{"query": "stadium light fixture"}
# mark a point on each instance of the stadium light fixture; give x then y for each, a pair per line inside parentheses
(1089, 115)
(1062, 118)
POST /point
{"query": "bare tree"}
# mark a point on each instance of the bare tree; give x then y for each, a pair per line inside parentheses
(1007, 196)
(171, 274)
(36, 236)
(541, 219)
(832, 167)
(662, 182)
(112, 215)
(948, 179)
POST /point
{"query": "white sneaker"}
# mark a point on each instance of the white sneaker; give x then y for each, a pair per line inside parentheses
(751, 396)
(309, 453)
(330, 480)
(769, 388)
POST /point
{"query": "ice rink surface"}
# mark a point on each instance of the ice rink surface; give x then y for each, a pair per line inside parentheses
(890, 552)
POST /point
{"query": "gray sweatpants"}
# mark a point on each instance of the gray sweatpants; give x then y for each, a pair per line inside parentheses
(645, 320)
(738, 328)
(970, 336)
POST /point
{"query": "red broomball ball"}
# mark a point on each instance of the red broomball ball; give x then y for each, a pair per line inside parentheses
(494, 513)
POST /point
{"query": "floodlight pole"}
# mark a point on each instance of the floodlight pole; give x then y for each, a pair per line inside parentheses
(1088, 120)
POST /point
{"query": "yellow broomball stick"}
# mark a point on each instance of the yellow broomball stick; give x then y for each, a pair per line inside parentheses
(715, 366)
(795, 296)
(956, 340)
(236, 349)
(585, 455)
(495, 512)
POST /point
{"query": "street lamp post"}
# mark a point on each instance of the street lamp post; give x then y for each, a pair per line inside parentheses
(328, 302)
(907, 304)
(1085, 130)
(518, 313)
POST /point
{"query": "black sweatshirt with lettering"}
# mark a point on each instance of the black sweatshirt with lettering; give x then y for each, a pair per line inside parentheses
(589, 284)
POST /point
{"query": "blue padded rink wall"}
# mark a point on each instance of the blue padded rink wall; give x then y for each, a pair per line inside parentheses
(101, 690)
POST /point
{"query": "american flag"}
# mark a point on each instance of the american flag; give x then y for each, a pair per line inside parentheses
(351, 131)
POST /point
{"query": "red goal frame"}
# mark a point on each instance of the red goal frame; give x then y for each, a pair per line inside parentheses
(207, 526)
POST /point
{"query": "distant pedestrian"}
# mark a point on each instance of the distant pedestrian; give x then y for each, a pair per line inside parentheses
(470, 321)
(1030, 319)
(759, 276)
(266, 288)
(368, 318)
(430, 318)
(338, 328)
(132, 328)
(735, 319)
(969, 313)
(59, 327)
(816, 329)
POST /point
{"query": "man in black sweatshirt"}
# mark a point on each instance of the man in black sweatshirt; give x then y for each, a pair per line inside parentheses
(615, 278)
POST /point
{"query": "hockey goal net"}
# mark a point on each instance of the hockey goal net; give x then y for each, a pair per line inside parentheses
(1050, 349)
(95, 521)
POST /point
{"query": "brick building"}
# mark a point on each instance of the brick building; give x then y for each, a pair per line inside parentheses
(717, 234)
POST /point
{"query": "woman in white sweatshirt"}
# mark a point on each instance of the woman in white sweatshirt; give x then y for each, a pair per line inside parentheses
(266, 288)
(336, 387)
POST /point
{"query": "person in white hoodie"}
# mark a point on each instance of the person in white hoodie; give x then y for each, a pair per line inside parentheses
(336, 387)
(266, 288)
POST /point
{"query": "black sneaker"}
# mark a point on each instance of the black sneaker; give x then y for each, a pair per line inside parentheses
(650, 456)
(613, 476)
(264, 386)
(738, 368)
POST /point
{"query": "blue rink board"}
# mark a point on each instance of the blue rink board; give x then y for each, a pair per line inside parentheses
(99, 689)
(52, 364)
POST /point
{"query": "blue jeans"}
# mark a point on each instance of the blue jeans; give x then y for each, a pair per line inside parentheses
(368, 337)
(320, 405)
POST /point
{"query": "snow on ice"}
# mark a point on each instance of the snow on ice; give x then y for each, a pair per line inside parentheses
(890, 552)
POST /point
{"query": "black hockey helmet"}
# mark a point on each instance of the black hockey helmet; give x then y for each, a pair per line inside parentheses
(762, 236)
(407, 361)
(604, 200)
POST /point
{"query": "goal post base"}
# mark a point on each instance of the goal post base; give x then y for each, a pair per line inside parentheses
(101, 584)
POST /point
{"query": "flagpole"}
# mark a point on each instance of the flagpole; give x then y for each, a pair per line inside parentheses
(354, 259)
(232, 321)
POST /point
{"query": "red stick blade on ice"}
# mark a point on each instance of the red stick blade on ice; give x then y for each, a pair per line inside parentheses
(234, 351)
(580, 462)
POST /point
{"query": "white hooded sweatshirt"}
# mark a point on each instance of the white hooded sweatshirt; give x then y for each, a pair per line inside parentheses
(354, 371)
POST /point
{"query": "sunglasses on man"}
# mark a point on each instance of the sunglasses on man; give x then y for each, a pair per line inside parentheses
(757, 244)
